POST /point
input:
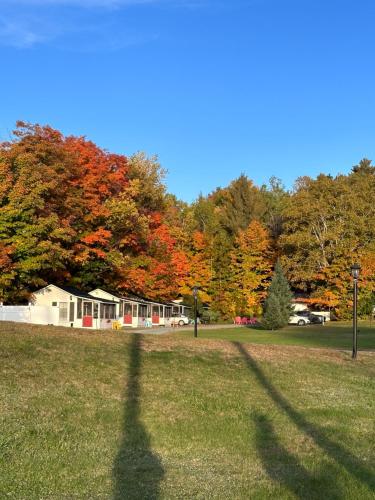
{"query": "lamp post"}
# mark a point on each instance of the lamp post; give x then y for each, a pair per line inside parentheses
(195, 295)
(355, 273)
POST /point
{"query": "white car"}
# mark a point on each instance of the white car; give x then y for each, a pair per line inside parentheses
(179, 320)
(299, 319)
(325, 314)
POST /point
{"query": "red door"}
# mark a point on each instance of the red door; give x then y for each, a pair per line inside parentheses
(155, 319)
(128, 320)
(87, 321)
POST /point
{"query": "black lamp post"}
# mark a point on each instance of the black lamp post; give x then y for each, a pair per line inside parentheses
(355, 273)
(195, 295)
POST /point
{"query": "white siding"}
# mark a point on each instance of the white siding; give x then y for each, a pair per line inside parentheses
(39, 315)
(102, 294)
(49, 294)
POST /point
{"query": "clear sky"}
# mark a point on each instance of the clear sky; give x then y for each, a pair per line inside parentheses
(214, 88)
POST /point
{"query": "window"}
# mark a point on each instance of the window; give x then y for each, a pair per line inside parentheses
(79, 308)
(54, 304)
(112, 311)
(142, 311)
(96, 310)
(127, 309)
(107, 311)
(63, 312)
(87, 308)
(168, 312)
(71, 312)
(155, 310)
(121, 311)
(134, 310)
(148, 310)
(162, 311)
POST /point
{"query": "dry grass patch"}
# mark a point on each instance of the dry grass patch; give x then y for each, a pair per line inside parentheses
(89, 414)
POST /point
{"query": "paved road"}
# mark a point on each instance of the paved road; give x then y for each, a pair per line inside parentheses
(158, 330)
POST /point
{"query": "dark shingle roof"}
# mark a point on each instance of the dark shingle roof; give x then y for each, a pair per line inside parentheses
(120, 295)
(134, 297)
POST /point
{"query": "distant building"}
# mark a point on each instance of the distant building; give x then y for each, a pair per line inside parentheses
(68, 306)
(75, 308)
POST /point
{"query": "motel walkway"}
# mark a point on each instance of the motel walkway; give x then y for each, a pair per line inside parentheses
(160, 330)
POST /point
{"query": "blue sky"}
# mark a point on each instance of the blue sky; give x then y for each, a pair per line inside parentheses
(214, 88)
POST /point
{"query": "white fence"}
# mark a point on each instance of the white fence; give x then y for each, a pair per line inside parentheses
(39, 315)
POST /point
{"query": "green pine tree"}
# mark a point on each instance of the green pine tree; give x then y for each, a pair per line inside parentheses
(277, 308)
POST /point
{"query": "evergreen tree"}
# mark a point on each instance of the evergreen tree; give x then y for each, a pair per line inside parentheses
(278, 303)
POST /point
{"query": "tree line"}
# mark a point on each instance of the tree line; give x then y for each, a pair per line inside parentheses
(73, 213)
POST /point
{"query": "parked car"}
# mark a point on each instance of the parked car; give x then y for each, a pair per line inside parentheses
(300, 319)
(316, 318)
(178, 319)
(326, 315)
(303, 318)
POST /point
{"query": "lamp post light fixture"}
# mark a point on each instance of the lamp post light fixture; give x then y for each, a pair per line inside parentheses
(355, 273)
(195, 295)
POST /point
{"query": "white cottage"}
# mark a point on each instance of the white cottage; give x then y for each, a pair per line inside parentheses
(135, 311)
(75, 308)
(126, 309)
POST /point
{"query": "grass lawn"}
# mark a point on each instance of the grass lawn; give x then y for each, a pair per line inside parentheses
(121, 415)
(337, 335)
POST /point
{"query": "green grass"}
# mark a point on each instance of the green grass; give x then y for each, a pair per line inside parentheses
(121, 415)
(333, 335)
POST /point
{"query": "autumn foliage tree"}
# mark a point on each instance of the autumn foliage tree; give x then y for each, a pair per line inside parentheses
(36, 225)
(329, 224)
(250, 269)
(73, 213)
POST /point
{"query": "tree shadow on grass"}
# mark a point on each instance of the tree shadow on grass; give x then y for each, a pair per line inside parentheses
(335, 451)
(283, 467)
(137, 471)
